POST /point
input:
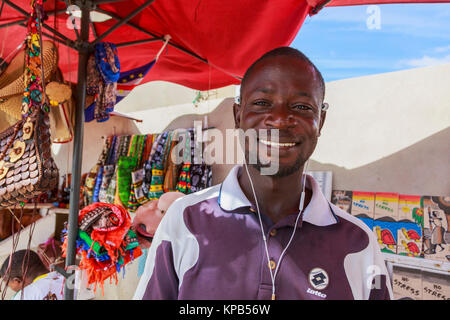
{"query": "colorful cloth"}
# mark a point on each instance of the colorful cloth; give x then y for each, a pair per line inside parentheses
(107, 61)
(108, 173)
(105, 242)
(156, 186)
(125, 166)
(184, 182)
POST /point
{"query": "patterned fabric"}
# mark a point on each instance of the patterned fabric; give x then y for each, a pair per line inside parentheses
(107, 61)
(93, 77)
(171, 174)
(103, 71)
(90, 183)
(157, 180)
(156, 186)
(98, 183)
(105, 101)
(137, 196)
(184, 181)
(108, 173)
(125, 166)
(104, 241)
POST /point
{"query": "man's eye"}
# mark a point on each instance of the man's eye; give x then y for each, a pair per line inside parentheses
(302, 107)
(261, 103)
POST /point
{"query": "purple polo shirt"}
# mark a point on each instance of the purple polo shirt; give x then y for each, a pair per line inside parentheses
(209, 246)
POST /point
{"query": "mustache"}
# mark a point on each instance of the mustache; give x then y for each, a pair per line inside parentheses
(285, 135)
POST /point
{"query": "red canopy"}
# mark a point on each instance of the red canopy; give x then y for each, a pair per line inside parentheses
(212, 41)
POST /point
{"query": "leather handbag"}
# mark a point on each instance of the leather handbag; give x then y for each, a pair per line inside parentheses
(27, 167)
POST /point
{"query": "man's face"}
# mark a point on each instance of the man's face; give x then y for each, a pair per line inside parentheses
(283, 93)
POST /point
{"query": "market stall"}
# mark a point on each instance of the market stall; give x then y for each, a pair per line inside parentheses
(179, 44)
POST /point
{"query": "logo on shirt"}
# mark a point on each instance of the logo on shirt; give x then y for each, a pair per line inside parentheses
(318, 278)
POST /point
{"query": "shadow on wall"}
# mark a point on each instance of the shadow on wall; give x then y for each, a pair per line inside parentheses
(421, 168)
(93, 141)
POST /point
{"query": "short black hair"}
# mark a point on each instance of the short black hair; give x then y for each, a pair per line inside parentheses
(35, 265)
(285, 51)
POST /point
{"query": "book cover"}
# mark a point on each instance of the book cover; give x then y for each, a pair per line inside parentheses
(385, 221)
(436, 236)
(410, 226)
(363, 204)
(342, 199)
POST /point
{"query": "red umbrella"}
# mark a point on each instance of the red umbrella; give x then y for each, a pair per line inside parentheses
(212, 44)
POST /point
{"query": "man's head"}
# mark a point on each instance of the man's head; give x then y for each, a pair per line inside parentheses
(16, 276)
(283, 90)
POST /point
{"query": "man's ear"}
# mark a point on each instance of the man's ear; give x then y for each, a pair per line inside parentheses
(323, 115)
(237, 114)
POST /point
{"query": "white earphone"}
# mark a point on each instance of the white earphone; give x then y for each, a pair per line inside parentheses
(302, 202)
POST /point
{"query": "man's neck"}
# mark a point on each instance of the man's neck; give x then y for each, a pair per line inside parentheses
(277, 197)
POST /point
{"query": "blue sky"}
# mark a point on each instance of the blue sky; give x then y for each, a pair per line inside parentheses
(339, 41)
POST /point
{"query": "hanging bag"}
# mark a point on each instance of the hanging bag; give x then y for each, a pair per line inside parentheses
(27, 168)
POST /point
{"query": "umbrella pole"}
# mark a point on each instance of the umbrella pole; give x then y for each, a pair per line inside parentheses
(77, 157)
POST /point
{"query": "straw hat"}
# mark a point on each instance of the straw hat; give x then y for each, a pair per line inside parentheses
(11, 80)
(11, 93)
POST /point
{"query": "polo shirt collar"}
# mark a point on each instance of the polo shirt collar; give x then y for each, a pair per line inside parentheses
(233, 199)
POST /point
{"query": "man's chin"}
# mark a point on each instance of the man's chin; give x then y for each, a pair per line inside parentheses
(283, 170)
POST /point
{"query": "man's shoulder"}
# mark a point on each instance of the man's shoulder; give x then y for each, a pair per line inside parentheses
(356, 223)
(196, 197)
(350, 218)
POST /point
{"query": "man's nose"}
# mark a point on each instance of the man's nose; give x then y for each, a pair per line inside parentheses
(280, 117)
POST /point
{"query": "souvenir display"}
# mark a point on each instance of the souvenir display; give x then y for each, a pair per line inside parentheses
(132, 170)
(407, 225)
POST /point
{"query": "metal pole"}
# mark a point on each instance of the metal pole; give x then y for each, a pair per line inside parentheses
(74, 205)
(123, 21)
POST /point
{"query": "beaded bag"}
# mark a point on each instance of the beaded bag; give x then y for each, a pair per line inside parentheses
(27, 168)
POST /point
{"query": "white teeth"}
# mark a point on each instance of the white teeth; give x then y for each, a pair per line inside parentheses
(277, 144)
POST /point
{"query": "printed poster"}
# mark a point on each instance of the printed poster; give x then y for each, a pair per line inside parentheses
(385, 221)
(410, 226)
(342, 199)
(436, 236)
(363, 204)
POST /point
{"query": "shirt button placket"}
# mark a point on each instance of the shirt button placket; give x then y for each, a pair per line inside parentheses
(273, 232)
(272, 264)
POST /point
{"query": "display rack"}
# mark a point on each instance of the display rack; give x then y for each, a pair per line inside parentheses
(435, 266)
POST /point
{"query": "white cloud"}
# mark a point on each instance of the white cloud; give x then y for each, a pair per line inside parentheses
(442, 49)
(425, 61)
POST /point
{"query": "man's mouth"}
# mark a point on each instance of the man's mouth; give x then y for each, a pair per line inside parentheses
(278, 144)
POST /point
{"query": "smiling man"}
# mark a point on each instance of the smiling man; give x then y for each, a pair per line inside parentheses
(259, 236)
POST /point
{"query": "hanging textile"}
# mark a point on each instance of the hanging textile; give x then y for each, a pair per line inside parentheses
(126, 165)
(105, 242)
(135, 169)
